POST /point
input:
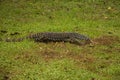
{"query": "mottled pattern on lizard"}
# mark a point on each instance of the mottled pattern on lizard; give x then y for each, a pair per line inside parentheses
(55, 37)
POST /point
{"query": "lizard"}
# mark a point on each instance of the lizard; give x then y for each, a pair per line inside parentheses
(71, 37)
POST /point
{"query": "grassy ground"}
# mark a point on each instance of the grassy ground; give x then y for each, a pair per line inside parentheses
(27, 60)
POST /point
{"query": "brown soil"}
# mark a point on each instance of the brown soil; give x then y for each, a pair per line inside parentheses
(106, 40)
(51, 54)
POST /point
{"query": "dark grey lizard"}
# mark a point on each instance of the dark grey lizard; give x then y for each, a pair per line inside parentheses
(55, 37)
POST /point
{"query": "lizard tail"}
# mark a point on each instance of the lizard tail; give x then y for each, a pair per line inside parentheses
(14, 40)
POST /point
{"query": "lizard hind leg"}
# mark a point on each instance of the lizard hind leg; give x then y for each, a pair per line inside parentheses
(77, 41)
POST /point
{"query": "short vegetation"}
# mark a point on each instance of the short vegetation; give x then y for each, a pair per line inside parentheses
(28, 60)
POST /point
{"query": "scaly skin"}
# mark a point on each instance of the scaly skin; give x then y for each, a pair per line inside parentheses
(56, 37)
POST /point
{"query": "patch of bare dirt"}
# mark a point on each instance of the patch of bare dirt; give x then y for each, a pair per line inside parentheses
(112, 49)
(106, 40)
(51, 54)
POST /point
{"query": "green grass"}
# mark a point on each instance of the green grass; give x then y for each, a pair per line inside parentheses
(27, 60)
